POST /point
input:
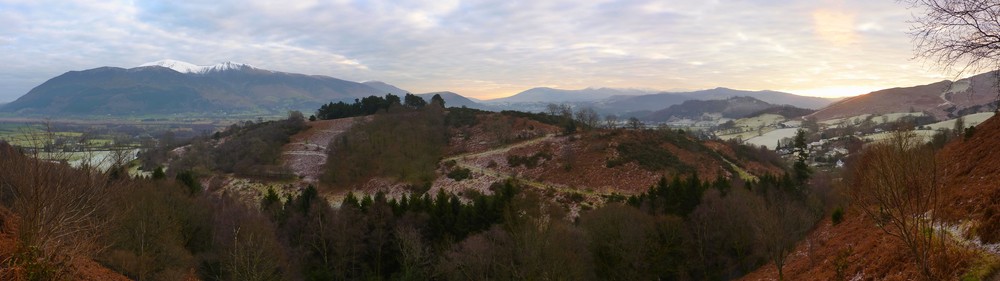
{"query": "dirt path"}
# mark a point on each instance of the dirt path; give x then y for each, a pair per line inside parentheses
(461, 161)
(306, 153)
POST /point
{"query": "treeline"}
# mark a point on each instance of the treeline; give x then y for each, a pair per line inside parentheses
(372, 104)
(733, 227)
(406, 145)
(379, 238)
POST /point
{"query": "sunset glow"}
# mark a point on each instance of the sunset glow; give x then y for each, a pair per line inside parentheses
(483, 49)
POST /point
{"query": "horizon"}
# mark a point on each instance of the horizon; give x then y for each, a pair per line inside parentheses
(485, 50)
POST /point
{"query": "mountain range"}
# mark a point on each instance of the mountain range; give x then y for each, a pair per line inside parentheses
(176, 87)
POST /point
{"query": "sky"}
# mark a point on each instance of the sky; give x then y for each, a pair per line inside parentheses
(483, 49)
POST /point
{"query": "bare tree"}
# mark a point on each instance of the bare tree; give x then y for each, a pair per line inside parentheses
(611, 121)
(780, 222)
(635, 124)
(958, 35)
(552, 109)
(63, 211)
(588, 116)
(896, 185)
(566, 111)
(963, 34)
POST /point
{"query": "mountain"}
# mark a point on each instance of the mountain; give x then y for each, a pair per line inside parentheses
(942, 100)
(168, 87)
(385, 88)
(772, 97)
(544, 95)
(735, 107)
(787, 111)
(455, 100)
(621, 104)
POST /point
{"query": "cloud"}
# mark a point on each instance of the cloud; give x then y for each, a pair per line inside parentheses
(483, 48)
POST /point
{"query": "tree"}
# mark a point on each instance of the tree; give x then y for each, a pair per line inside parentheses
(895, 184)
(801, 151)
(552, 109)
(779, 223)
(566, 111)
(635, 124)
(811, 124)
(62, 211)
(963, 34)
(438, 100)
(611, 121)
(959, 127)
(414, 101)
(391, 99)
(588, 116)
(958, 34)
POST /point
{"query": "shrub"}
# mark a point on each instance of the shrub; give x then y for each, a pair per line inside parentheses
(460, 174)
(528, 161)
(838, 216)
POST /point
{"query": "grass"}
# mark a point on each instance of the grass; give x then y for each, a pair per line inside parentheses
(982, 268)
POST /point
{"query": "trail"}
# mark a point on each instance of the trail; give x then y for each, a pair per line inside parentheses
(306, 153)
(959, 233)
(461, 159)
(956, 87)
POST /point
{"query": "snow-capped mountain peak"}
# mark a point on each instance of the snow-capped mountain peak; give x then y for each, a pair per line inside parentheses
(186, 67)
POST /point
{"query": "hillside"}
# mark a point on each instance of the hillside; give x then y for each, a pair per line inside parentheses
(942, 100)
(385, 88)
(735, 107)
(970, 212)
(596, 163)
(159, 89)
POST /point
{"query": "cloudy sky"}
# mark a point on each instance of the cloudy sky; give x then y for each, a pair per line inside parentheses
(483, 49)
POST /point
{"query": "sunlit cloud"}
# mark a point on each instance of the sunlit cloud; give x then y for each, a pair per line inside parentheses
(485, 49)
(833, 26)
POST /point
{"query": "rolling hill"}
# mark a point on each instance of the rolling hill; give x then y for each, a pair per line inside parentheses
(666, 99)
(735, 107)
(169, 87)
(942, 100)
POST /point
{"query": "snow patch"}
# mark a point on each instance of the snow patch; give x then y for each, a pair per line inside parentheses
(186, 67)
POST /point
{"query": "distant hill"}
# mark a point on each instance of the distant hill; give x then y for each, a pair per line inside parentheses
(452, 99)
(735, 107)
(942, 100)
(623, 104)
(386, 88)
(544, 94)
(786, 111)
(633, 105)
(168, 87)
(666, 99)
(772, 97)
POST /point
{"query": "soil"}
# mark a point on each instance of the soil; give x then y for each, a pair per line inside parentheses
(306, 153)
